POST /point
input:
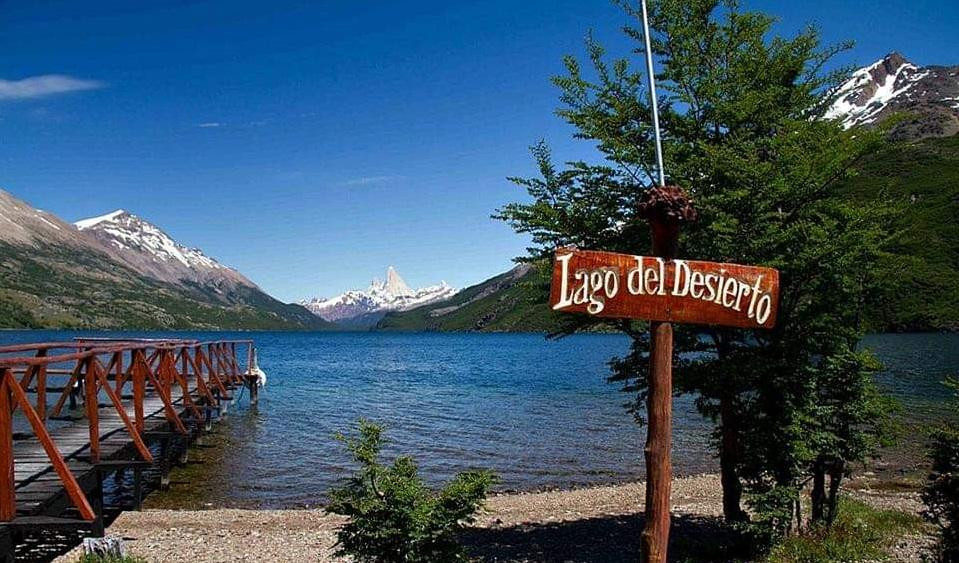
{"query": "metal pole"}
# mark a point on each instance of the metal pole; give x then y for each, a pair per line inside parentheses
(652, 96)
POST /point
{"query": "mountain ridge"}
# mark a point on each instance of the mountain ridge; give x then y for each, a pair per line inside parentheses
(364, 308)
(55, 275)
(147, 249)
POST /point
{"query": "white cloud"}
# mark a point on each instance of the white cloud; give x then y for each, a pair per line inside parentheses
(209, 124)
(369, 180)
(45, 85)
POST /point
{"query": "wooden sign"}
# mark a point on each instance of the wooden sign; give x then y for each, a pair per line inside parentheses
(607, 284)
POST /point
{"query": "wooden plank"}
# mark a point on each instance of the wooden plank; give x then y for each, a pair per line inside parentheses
(66, 476)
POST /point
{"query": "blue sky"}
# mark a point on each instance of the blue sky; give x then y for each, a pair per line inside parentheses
(311, 144)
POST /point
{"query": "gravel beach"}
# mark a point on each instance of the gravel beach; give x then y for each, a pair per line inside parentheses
(591, 524)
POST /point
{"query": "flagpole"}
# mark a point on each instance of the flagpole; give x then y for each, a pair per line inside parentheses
(654, 102)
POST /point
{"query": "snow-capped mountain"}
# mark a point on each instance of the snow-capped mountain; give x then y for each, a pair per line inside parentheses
(150, 251)
(930, 95)
(367, 307)
(118, 271)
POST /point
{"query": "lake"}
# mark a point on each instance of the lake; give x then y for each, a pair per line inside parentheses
(539, 413)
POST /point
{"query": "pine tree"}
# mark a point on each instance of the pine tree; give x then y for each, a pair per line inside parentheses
(743, 135)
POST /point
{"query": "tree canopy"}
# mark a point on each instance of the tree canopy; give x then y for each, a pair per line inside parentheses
(743, 134)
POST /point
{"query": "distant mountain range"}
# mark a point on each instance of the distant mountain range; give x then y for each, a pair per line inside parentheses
(510, 302)
(363, 309)
(119, 271)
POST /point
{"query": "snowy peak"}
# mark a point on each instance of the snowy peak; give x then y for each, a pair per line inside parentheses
(125, 231)
(929, 95)
(148, 250)
(380, 298)
(84, 224)
(395, 286)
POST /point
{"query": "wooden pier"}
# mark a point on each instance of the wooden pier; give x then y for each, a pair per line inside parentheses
(73, 413)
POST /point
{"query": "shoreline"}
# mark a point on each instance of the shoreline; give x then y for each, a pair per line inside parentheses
(599, 523)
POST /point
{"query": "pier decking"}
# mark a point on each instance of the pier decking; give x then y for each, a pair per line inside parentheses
(73, 412)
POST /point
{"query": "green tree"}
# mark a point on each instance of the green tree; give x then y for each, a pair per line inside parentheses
(741, 112)
(394, 516)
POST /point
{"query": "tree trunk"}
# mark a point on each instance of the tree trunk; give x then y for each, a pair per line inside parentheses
(818, 492)
(835, 480)
(729, 462)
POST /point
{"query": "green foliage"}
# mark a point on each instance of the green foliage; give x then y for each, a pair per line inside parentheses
(941, 493)
(741, 135)
(394, 517)
(861, 533)
(921, 261)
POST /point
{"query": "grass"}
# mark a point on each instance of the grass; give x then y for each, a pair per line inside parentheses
(861, 532)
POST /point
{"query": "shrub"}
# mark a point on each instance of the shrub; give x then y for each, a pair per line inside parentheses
(860, 532)
(393, 515)
(941, 493)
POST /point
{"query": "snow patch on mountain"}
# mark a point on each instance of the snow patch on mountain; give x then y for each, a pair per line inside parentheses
(892, 85)
(863, 97)
(381, 296)
(126, 231)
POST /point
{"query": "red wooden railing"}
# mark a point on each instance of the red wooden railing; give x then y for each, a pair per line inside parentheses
(174, 370)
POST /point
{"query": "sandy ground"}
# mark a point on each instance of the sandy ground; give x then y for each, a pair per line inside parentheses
(592, 524)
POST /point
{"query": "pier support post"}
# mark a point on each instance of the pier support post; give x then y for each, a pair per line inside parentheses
(137, 489)
(164, 464)
(251, 382)
(8, 545)
(98, 529)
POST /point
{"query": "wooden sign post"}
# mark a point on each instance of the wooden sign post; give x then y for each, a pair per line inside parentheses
(663, 289)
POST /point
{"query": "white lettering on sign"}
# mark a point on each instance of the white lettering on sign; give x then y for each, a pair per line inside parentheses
(653, 277)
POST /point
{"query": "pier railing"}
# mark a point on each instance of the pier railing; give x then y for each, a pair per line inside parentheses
(117, 377)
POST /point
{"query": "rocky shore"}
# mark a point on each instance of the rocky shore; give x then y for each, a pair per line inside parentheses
(591, 524)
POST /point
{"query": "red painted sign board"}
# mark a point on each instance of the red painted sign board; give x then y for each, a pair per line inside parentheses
(607, 284)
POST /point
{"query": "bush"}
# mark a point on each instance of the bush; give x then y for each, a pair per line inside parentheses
(393, 515)
(860, 532)
(941, 493)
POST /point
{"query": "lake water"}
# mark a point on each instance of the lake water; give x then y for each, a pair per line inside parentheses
(537, 412)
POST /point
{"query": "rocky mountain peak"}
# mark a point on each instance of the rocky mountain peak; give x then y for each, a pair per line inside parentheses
(381, 297)
(394, 284)
(148, 249)
(928, 96)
